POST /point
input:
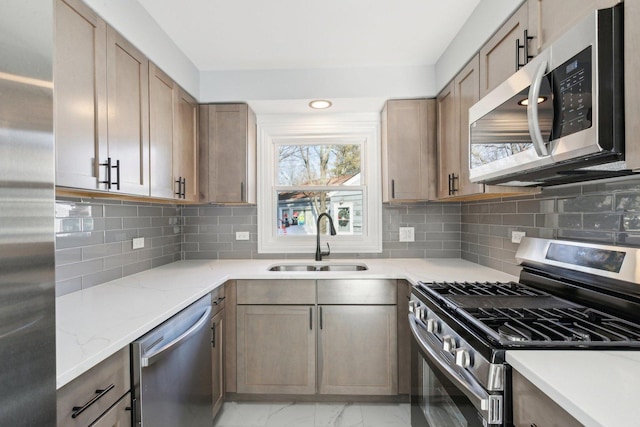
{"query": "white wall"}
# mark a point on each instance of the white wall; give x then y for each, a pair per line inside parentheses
(374, 82)
(483, 22)
(133, 21)
(135, 24)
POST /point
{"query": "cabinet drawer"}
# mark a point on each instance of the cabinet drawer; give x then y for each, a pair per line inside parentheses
(349, 291)
(118, 416)
(276, 292)
(111, 377)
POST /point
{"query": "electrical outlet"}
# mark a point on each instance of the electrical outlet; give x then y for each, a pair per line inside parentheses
(138, 242)
(242, 235)
(407, 234)
(516, 236)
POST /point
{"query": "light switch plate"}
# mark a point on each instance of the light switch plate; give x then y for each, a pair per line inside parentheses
(516, 236)
(407, 234)
(138, 242)
(242, 235)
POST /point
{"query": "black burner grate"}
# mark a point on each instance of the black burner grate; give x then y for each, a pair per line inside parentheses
(554, 324)
(484, 289)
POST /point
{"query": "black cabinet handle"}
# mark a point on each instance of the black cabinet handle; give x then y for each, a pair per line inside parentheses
(213, 335)
(179, 182)
(183, 194)
(311, 318)
(242, 191)
(218, 301)
(452, 184)
(77, 410)
(107, 164)
(393, 188)
(117, 168)
(320, 317)
(525, 47)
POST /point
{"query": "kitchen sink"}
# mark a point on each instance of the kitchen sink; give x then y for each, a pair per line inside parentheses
(319, 267)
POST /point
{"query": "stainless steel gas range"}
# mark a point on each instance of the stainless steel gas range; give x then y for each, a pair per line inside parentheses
(570, 295)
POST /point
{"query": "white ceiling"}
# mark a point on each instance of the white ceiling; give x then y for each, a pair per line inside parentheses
(303, 34)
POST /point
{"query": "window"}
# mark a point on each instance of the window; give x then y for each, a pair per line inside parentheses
(312, 165)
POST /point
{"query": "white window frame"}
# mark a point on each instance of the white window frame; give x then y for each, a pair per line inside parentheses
(301, 129)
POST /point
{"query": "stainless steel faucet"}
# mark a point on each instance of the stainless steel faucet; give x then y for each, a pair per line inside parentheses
(319, 253)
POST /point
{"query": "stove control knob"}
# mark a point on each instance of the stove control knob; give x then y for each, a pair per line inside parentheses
(448, 343)
(412, 306)
(463, 358)
(433, 326)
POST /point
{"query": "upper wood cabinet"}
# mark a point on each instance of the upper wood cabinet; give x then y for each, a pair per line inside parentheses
(101, 105)
(467, 93)
(162, 115)
(453, 140)
(448, 142)
(408, 150)
(632, 81)
(80, 95)
(453, 124)
(227, 153)
(549, 19)
(185, 146)
(128, 115)
(499, 57)
(173, 138)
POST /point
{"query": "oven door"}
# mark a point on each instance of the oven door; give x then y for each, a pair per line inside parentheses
(443, 394)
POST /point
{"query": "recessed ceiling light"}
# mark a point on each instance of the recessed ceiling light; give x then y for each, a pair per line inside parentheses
(524, 102)
(320, 104)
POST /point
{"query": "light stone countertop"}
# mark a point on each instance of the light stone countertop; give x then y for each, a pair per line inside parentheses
(598, 388)
(93, 324)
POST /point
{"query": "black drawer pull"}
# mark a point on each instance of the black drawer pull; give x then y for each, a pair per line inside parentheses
(77, 410)
(218, 301)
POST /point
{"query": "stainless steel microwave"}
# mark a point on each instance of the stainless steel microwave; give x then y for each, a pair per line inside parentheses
(559, 119)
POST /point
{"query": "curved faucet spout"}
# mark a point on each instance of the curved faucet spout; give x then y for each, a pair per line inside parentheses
(332, 230)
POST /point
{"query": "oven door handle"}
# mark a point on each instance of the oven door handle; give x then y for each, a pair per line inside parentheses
(490, 406)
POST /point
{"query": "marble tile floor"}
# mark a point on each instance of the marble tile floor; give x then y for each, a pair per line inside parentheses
(309, 414)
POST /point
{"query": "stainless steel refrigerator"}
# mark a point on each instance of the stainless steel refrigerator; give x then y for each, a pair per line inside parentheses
(27, 268)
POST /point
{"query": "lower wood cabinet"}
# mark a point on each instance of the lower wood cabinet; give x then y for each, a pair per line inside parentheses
(90, 398)
(118, 416)
(357, 349)
(217, 350)
(332, 337)
(276, 349)
(531, 407)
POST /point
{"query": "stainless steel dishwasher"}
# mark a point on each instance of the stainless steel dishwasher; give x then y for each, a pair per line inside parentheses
(172, 371)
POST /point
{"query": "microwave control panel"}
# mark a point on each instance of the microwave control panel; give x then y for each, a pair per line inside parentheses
(572, 87)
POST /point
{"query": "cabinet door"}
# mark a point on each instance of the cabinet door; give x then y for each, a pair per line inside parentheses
(118, 416)
(185, 146)
(128, 114)
(467, 94)
(80, 95)
(358, 350)
(276, 349)
(229, 155)
(448, 142)
(531, 407)
(498, 58)
(162, 101)
(217, 342)
(549, 19)
(408, 144)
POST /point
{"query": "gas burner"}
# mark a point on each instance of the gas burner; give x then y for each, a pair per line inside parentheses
(513, 333)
